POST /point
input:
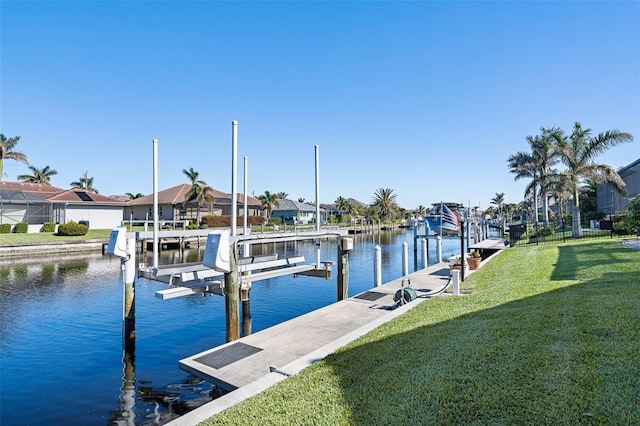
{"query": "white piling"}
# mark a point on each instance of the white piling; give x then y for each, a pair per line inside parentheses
(405, 259)
(245, 208)
(425, 253)
(234, 176)
(438, 249)
(455, 281)
(155, 203)
(377, 267)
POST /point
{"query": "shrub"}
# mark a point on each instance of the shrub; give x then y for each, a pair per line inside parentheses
(49, 227)
(21, 228)
(213, 221)
(5, 228)
(72, 229)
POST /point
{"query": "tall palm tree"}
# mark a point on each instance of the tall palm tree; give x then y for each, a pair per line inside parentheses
(268, 201)
(38, 175)
(385, 201)
(8, 151)
(498, 200)
(85, 182)
(133, 197)
(537, 165)
(199, 192)
(282, 195)
(578, 152)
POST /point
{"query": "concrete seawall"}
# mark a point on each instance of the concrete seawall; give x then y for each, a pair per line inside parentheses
(19, 250)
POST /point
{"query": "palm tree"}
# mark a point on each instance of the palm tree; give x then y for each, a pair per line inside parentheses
(199, 192)
(282, 195)
(85, 183)
(38, 175)
(578, 151)
(420, 211)
(133, 197)
(498, 200)
(537, 165)
(267, 201)
(7, 150)
(385, 201)
(301, 200)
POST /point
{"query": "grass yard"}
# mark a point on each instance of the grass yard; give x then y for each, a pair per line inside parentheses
(550, 335)
(49, 237)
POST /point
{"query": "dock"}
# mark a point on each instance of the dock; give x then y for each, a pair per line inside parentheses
(488, 244)
(253, 363)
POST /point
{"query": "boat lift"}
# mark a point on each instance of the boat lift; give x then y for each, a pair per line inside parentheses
(207, 277)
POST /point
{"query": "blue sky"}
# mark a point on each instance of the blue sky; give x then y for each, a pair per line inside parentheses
(426, 98)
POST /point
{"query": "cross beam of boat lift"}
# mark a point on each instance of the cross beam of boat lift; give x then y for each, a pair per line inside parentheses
(193, 278)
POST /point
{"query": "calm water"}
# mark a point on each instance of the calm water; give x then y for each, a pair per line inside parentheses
(61, 331)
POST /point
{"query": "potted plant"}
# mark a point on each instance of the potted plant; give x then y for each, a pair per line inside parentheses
(473, 260)
(455, 263)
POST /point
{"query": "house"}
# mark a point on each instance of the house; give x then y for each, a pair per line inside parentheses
(36, 203)
(609, 201)
(294, 212)
(171, 205)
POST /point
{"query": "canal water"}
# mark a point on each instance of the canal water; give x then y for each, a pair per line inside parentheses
(61, 330)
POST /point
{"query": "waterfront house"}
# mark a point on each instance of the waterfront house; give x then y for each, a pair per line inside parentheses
(172, 205)
(295, 213)
(609, 201)
(36, 203)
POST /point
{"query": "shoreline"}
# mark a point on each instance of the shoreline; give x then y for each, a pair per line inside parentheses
(17, 250)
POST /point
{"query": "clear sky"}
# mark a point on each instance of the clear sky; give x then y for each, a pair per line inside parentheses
(426, 98)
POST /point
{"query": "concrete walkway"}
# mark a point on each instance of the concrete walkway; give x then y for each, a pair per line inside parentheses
(255, 362)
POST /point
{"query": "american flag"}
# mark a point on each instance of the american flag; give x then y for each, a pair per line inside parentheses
(449, 216)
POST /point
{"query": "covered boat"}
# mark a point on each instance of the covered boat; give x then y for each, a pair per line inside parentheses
(444, 218)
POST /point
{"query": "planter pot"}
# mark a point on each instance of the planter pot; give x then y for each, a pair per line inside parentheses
(473, 262)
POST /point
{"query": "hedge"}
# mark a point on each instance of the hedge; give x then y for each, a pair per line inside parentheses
(213, 221)
(72, 229)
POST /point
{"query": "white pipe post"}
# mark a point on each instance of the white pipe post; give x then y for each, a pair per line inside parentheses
(377, 267)
(425, 253)
(234, 176)
(317, 149)
(405, 259)
(245, 208)
(438, 249)
(155, 203)
(455, 280)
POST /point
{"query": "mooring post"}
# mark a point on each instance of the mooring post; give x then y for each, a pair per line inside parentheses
(377, 267)
(425, 253)
(232, 297)
(129, 301)
(344, 246)
(405, 259)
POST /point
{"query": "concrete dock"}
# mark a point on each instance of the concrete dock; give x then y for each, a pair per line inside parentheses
(253, 363)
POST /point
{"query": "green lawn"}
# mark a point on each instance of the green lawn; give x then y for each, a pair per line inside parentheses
(550, 335)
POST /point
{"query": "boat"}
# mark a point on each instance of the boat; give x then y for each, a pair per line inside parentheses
(450, 226)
